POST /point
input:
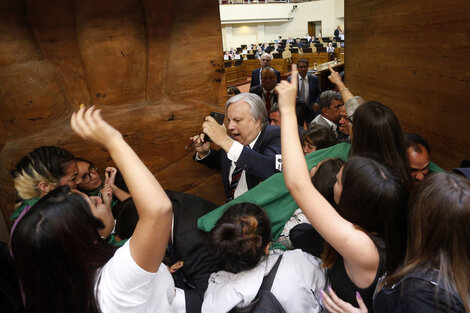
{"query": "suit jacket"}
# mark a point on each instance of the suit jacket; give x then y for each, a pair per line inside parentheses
(259, 163)
(320, 120)
(314, 92)
(258, 90)
(255, 77)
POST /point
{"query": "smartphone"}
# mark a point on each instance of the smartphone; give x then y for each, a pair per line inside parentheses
(219, 117)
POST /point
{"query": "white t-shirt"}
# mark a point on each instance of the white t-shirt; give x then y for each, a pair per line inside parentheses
(123, 286)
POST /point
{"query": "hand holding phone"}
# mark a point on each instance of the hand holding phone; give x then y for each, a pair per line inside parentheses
(219, 117)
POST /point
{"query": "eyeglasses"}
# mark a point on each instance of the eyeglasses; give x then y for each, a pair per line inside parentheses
(350, 119)
(87, 176)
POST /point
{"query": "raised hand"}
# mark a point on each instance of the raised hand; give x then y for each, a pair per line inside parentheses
(89, 125)
(334, 77)
(110, 175)
(107, 194)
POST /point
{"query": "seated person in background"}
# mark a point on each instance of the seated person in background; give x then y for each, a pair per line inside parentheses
(330, 102)
(240, 245)
(39, 172)
(330, 48)
(92, 184)
(309, 88)
(232, 91)
(248, 156)
(316, 138)
(418, 152)
(265, 61)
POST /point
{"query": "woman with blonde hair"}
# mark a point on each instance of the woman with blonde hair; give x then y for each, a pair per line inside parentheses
(63, 263)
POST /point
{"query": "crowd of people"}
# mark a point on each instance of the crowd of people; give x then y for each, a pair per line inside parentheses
(294, 45)
(330, 206)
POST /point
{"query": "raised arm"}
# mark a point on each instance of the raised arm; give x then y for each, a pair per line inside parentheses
(335, 78)
(358, 250)
(149, 240)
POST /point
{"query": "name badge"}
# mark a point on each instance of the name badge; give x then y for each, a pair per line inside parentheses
(279, 162)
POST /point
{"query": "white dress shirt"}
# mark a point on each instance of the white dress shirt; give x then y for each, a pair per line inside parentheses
(233, 154)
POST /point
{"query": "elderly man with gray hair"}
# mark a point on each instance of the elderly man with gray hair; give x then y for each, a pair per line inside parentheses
(265, 61)
(330, 103)
(250, 154)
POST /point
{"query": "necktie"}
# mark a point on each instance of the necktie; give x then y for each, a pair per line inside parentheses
(302, 89)
(237, 173)
(268, 101)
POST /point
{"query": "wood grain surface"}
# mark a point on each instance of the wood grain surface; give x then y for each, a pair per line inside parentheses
(413, 57)
(153, 67)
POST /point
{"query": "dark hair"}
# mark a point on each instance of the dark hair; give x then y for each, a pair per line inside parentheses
(239, 238)
(43, 163)
(374, 200)
(233, 90)
(414, 141)
(377, 134)
(57, 251)
(127, 219)
(302, 61)
(438, 232)
(327, 96)
(320, 136)
(324, 179)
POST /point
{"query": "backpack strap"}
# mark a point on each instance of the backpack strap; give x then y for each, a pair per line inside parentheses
(268, 280)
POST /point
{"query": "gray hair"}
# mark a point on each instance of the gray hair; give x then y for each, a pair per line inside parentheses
(257, 106)
(327, 96)
(267, 54)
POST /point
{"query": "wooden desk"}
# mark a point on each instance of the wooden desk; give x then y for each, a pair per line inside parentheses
(250, 65)
(313, 57)
(235, 73)
(278, 64)
(323, 72)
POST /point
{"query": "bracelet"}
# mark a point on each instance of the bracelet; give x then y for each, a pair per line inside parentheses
(345, 88)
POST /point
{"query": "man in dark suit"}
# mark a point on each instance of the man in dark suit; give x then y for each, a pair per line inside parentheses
(265, 61)
(250, 154)
(266, 90)
(309, 88)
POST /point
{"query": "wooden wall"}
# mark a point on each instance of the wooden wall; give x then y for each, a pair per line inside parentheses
(153, 66)
(413, 56)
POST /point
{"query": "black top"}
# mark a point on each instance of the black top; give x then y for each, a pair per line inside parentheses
(346, 289)
(418, 292)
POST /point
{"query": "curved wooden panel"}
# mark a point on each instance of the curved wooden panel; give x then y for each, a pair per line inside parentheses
(413, 57)
(153, 67)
